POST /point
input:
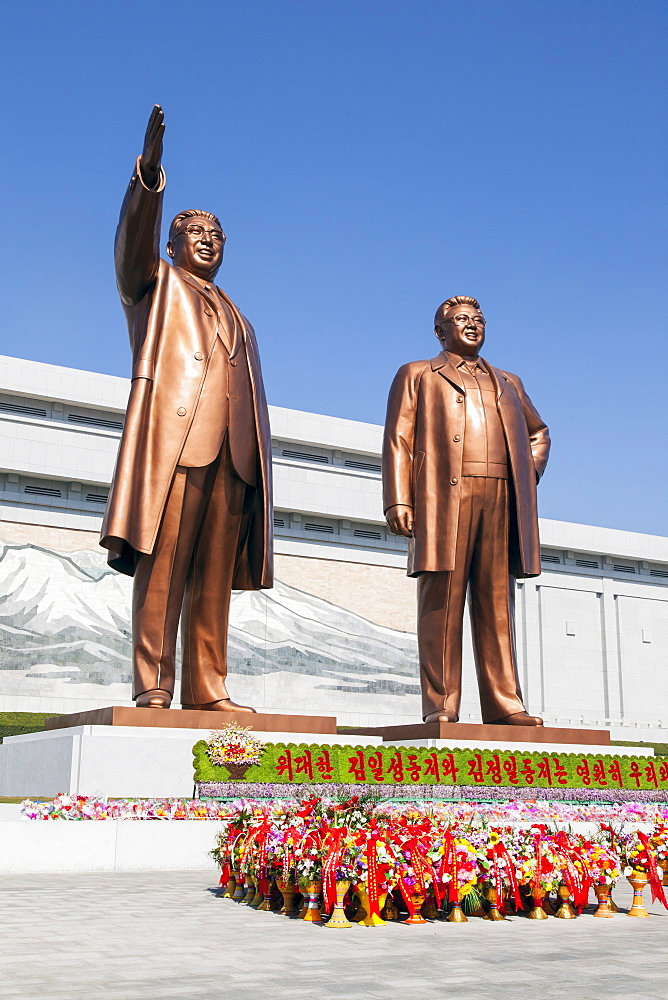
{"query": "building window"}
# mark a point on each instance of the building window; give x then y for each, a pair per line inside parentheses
(42, 491)
(77, 418)
(24, 411)
(548, 557)
(587, 563)
(304, 456)
(363, 533)
(324, 529)
(351, 463)
(621, 568)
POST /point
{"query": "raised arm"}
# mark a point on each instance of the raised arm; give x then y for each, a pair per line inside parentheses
(137, 248)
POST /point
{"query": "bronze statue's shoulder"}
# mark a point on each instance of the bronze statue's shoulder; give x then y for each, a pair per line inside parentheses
(413, 369)
(508, 376)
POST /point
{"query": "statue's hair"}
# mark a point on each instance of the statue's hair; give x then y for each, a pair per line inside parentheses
(456, 300)
(192, 213)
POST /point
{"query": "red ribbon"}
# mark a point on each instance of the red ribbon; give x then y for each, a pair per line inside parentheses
(332, 849)
(578, 884)
(449, 865)
(500, 851)
(654, 878)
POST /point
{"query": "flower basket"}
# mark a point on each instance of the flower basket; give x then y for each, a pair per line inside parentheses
(237, 771)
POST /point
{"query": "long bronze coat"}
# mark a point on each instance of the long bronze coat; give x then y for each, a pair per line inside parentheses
(422, 461)
(173, 326)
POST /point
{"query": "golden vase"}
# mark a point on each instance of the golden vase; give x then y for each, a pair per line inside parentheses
(287, 890)
(638, 882)
(265, 899)
(429, 909)
(493, 913)
(663, 865)
(231, 886)
(313, 914)
(240, 888)
(456, 914)
(369, 919)
(566, 909)
(602, 893)
(414, 904)
(251, 891)
(536, 911)
(390, 911)
(338, 918)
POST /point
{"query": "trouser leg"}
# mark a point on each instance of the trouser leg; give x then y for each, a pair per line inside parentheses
(204, 622)
(441, 600)
(159, 584)
(492, 608)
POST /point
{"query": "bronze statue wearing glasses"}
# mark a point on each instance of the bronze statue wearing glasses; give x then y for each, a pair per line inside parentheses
(463, 451)
(190, 509)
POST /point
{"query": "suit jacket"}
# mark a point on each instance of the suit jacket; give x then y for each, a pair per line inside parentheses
(422, 461)
(173, 325)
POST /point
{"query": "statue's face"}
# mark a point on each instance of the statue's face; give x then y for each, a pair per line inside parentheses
(462, 331)
(198, 248)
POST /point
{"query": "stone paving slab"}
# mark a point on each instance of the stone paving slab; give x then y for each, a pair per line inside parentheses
(169, 936)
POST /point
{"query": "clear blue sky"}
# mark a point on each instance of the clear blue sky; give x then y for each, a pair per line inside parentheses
(368, 159)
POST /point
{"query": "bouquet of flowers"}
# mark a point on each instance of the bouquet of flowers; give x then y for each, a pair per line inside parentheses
(235, 747)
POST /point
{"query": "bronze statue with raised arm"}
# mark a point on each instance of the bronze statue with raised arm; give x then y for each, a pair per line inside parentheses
(464, 448)
(190, 509)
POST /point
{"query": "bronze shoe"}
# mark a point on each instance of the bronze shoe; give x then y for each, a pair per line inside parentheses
(518, 719)
(442, 716)
(224, 705)
(153, 699)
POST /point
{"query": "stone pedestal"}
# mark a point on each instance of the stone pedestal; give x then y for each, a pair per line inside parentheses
(454, 732)
(181, 718)
(119, 761)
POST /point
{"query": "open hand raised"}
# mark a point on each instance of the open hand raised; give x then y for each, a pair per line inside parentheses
(152, 152)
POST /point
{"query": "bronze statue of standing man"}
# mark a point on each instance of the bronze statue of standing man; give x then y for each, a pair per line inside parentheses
(190, 509)
(464, 448)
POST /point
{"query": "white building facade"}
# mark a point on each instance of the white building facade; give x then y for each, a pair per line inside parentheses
(337, 634)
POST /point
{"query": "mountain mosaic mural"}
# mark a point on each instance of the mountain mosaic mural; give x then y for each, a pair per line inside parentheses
(65, 631)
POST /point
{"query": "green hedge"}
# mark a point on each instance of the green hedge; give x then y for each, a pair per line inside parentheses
(290, 763)
(17, 723)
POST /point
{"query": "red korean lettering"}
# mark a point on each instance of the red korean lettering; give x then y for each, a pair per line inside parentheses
(357, 767)
(413, 767)
(304, 764)
(615, 772)
(396, 767)
(510, 767)
(663, 771)
(560, 772)
(475, 769)
(635, 773)
(582, 771)
(375, 763)
(527, 771)
(431, 766)
(493, 768)
(324, 766)
(544, 770)
(448, 768)
(650, 774)
(598, 773)
(284, 764)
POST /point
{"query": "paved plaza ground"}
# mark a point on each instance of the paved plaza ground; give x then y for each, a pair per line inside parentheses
(169, 935)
